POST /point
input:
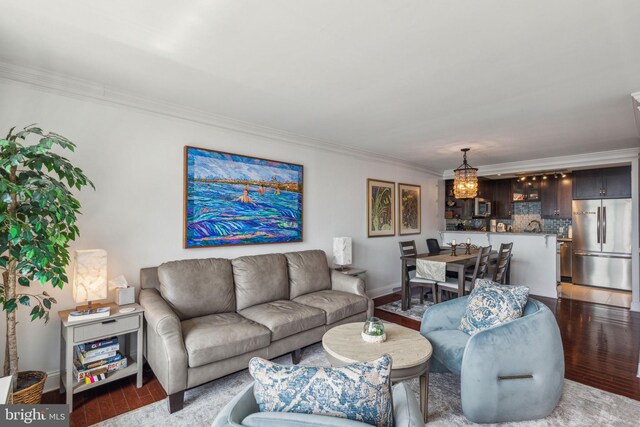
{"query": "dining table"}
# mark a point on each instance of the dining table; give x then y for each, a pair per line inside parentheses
(454, 263)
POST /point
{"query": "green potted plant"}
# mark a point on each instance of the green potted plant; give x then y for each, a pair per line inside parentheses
(37, 221)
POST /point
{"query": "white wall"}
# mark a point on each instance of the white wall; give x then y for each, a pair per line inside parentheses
(135, 159)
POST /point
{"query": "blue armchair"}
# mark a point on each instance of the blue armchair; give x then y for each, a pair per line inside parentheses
(243, 411)
(511, 372)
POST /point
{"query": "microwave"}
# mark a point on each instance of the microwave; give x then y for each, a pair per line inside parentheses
(482, 208)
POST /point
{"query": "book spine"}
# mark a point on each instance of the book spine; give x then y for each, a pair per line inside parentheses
(97, 352)
(95, 358)
(97, 344)
(81, 375)
(82, 367)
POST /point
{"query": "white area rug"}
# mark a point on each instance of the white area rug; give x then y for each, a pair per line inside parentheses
(581, 405)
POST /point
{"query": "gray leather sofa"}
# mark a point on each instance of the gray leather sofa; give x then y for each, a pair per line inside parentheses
(206, 318)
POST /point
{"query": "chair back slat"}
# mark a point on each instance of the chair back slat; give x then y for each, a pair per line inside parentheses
(408, 248)
(502, 265)
(482, 264)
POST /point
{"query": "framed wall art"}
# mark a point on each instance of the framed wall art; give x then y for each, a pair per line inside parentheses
(380, 208)
(408, 209)
(230, 199)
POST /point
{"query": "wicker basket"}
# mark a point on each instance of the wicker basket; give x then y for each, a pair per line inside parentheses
(32, 394)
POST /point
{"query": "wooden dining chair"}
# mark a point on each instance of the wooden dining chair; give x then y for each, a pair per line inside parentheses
(479, 271)
(408, 248)
(503, 263)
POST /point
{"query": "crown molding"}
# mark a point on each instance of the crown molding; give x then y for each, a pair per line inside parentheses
(576, 161)
(77, 88)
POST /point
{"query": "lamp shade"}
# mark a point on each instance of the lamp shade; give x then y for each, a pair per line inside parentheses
(342, 250)
(90, 275)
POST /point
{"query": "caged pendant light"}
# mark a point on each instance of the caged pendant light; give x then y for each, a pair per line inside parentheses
(465, 179)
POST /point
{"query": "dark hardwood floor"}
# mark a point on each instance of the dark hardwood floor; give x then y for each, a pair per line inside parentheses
(601, 343)
(601, 348)
(109, 400)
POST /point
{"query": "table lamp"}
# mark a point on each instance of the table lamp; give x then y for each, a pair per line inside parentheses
(89, 277)
(342, 252)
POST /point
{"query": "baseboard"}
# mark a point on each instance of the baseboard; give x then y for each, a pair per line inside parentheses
(384, 290)
(53, 381)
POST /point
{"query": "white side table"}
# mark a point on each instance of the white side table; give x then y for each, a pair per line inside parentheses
(128, 327)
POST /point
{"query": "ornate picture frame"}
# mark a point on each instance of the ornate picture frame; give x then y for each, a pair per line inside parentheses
(381, 199)
(409, 209)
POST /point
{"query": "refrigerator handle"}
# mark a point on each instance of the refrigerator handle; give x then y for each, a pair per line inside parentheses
(598, 225)
(604, 224)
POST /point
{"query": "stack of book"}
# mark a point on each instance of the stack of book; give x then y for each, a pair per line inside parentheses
(93, 360)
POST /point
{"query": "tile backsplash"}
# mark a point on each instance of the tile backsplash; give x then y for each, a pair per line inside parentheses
(523, 214)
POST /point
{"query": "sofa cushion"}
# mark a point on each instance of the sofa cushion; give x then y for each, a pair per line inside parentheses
(491, 304)
(337, 305)
(284, 317)
(260, 279)
(197, 287)
(220, 336)
(448, 347)
(308, 272)
(359, 391)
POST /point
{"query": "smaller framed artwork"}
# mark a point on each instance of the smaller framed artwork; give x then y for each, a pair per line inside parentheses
(381, 207)
(408, 209)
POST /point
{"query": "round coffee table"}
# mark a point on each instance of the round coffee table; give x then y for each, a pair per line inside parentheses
(410, 353)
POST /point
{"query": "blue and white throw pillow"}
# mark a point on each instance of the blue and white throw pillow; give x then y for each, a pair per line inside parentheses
(359, 391)
(491, 304)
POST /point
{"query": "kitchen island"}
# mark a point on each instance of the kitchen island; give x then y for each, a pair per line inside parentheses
(533, 261)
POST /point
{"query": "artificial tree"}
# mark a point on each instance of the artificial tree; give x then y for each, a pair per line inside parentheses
(37, 221)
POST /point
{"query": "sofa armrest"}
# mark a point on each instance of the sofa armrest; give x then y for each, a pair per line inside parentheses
(354, 285)
(445, 315)
(165, 350)
(505, 367)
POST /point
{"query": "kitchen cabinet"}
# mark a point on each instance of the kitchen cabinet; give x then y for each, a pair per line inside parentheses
(501, 207)
(556, 196)
(525, 191)
(485, 188)
(607, 183)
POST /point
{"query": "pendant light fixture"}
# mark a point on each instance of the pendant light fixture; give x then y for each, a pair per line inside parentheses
(465, 179)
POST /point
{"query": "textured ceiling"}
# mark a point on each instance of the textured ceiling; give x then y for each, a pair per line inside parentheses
(415, 80)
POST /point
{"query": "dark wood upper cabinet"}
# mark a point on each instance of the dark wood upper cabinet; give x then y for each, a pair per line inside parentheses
(485, 188)
(556, 197)
(616, 182)
(526, 191)
(565, 196)
(607, 183)
(549, 198)
(501, 207)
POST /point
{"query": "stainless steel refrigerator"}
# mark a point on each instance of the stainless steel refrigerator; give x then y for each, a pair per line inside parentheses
(602, 243)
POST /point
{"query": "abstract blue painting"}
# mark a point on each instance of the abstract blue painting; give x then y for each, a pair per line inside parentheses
(238, 200)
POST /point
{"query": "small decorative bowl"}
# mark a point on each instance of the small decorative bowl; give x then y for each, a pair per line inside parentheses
(373, 331)
(374, 339)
